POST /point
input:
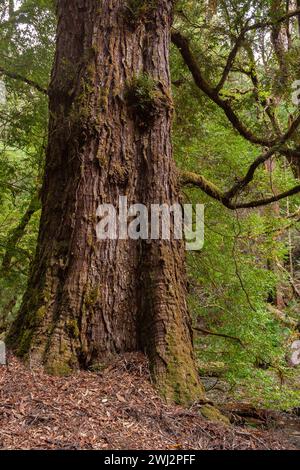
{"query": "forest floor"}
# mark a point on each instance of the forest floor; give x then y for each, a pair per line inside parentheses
(119, 409)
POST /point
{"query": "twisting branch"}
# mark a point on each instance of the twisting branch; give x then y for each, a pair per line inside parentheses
(193, 179)
(228, 198)
(182, 43)
(242, 183)
(16, 76)
(190, 178)
(265, 201)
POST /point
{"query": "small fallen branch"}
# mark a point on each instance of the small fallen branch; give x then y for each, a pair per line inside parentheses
(222, 335)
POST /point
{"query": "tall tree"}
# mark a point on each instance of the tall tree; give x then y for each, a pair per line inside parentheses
(109, 136)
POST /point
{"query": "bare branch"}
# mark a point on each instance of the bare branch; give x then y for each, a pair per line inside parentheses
(222, 335)
(183, 45)
(265, 201)
(16, 76)
(230, 60)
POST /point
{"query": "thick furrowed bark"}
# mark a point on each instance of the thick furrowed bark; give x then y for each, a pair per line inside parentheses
(165, 328)
(88, 300)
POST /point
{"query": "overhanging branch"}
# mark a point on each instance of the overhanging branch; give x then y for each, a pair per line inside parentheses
(228, 198)
(265, 201)
(242, 183)
(193, 179)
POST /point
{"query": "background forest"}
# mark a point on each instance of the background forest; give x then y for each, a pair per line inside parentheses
(244, 286)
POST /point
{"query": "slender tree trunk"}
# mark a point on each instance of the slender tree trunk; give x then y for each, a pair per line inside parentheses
(298, 17)
(88, 300)
(280, 44)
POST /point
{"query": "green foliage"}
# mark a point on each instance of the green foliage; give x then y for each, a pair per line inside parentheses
(234, 277)
(27, 39)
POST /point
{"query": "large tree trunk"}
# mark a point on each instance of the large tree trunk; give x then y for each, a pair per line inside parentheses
(88, 300)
